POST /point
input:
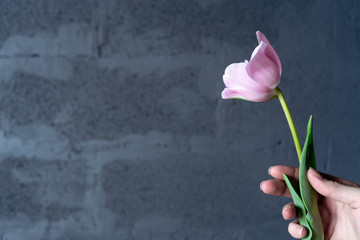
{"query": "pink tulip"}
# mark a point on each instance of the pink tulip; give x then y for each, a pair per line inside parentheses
(255, 80)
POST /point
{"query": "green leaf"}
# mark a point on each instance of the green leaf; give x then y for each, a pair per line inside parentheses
(300, 208)
(308, 194)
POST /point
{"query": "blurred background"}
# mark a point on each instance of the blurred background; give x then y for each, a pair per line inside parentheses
(112, 125)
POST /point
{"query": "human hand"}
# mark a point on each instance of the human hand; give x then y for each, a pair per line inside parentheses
(338, 200)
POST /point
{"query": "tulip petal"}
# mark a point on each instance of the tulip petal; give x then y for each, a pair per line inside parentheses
(257, 79)
(263, 69)
(236, 76)
(248, 95)
(271, 52)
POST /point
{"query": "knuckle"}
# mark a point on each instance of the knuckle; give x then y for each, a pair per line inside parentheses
(333, 186)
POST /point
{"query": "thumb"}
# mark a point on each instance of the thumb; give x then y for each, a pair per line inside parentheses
(334, 190)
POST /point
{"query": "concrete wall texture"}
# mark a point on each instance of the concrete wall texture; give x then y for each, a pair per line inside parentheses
(112, 125)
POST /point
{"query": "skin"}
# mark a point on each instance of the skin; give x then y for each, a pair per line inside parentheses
(338, 199)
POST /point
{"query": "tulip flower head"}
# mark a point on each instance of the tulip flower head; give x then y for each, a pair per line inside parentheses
(255, 80)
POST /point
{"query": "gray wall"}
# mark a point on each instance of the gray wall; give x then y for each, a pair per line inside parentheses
(112, 125)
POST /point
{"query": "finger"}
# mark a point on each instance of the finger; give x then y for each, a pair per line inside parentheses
(278, 171)
(296, 230)
(293, 172)
(289, 211)
(275, 187)
(334, 190)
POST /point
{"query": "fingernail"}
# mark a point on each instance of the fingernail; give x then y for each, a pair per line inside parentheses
(285, 208)
(261, 184)
(315, 173)
(269, 170)
(301, 231)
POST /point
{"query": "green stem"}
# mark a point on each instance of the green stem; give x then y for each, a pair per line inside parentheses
(290, 122)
